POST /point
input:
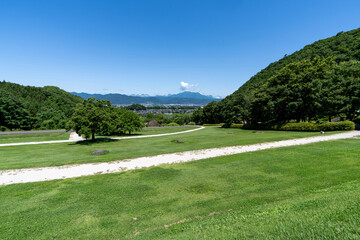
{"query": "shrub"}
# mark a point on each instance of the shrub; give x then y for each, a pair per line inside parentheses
(213, 124)
(3, 129)
(48, 124)
(172, 124)
(336, 126)
(304, 126)
(236, 125)
(357, 120)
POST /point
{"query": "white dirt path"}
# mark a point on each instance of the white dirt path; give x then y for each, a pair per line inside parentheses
(70, 171)
(75, 138)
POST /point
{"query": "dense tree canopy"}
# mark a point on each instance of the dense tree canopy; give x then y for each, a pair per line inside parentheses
(295, 92)
(35, 107)
(12, 113)
(163, 119)
(95, 116)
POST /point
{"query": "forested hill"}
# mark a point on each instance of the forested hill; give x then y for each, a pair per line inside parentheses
(344, 46)
(26, 107)
(324, 70)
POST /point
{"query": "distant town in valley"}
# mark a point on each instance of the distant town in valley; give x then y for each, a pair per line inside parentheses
(185, 98)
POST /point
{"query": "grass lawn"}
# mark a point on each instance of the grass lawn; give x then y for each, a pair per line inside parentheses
(39, 137)
(74, 153)
(301, 192)
(34, 137)
(154, 131)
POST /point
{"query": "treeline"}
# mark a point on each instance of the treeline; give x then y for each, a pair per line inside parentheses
(317, 83)
(26, 107)
(162, 119)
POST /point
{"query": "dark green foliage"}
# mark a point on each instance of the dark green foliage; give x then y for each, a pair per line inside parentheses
(162, 119)
(293, 93)
(99, 117)
(130, 122)
(29, 107)
(91, 117)
(213, 124)
(233, 125)
(211, 114)
(172, 124)
(303, 126)
(321, 80)
(197, 116)
(12, 113)
(344, 88)
(135, 107)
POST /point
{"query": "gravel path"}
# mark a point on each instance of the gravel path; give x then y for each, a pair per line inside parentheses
(76, 138)
(70, 171)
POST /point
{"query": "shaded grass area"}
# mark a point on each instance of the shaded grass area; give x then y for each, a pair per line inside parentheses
(34, 137)
(309, 191)
(74, 153)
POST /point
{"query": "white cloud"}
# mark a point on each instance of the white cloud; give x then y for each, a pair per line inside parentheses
(188, 87)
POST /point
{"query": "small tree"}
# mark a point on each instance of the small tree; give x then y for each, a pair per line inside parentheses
(90, 117)
(131, 121)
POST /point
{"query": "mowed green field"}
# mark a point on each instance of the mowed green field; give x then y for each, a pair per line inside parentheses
(301, 192)
(154, 131)
(39, 137)
(34, 137)
(74, 153)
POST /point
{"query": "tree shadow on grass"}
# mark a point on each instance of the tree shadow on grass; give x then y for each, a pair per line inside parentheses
(96, 141)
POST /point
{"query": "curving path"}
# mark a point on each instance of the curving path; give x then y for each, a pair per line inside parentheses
(76, 138)
(70, 171)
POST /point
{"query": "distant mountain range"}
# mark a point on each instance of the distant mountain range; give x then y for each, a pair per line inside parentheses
(183, 98)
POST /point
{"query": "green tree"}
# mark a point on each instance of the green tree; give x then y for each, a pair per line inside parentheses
(211, 113)
(90, 117)
(293, 93)
(346, 81)
(131, 122)
(197, 116)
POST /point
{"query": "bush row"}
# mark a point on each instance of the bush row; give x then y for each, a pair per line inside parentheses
(172, 124)
(213, 125)
(304, 126)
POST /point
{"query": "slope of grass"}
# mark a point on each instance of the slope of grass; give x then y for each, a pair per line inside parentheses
(34, 137)
(300, 192)
(73, 153)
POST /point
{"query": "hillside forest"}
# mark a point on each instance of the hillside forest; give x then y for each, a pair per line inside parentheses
(26, 107)
(317, 83)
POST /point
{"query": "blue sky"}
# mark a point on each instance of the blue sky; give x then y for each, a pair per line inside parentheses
(158, 46)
